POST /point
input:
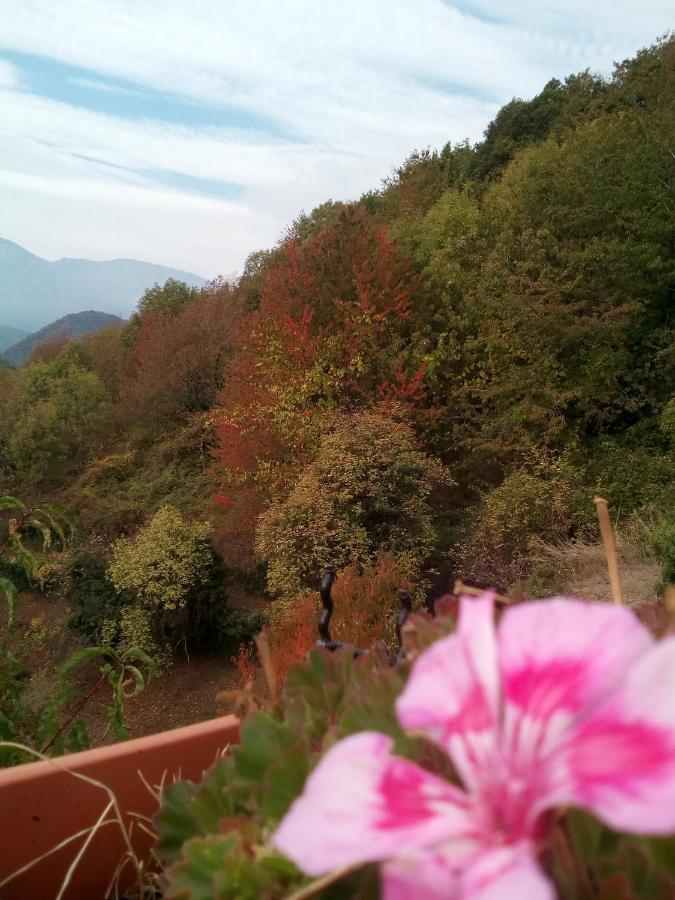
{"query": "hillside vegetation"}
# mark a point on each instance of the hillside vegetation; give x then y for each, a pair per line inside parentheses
(436, 377)
(71, 326)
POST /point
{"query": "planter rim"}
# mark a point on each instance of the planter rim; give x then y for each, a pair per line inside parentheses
(119, 750)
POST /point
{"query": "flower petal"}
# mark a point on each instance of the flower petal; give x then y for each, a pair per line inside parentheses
(455, 873)
(427, 875)
(362, 805)
(453, 691)
(557, 658)
(505, 873)
(621, 759)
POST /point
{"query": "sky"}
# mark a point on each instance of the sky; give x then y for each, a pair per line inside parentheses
(191, 134)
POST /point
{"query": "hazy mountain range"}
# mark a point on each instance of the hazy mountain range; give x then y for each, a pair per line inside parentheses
(10, 336)
(35, 292)
(73, 325)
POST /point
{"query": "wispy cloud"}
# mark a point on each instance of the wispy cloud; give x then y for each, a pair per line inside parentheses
(9, 77)
(245, 112)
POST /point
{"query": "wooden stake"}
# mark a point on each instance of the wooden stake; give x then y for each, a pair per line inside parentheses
(267, 664)
(461, 588)
(607, 533)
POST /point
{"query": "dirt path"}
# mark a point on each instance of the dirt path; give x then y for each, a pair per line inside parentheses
(184, 694)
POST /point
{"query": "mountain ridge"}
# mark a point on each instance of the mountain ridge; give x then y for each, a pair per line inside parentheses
(35, 292)
(71, 325)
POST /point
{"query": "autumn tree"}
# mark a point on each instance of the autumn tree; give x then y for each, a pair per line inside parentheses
(367, 491)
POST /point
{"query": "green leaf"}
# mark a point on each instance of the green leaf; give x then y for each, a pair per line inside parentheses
(140, 655)
(11, 593)
(176, 821)
(78, 737)
(56, 509)
(139, 681)
(284, 781)
(81, 656)
(218, 867)
(8, 502)
(51, 523)
(24, 558)
(44, 530)
(263, 739)
(190, 810)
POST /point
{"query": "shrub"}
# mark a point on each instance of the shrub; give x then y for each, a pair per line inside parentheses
(367, 491)
(508, 520)
(366, 607)
(167, 559)
(94, 599)
(212, 622)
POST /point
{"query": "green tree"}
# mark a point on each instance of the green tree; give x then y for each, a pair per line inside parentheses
(167, 560)
(54, 416)
(366, 491)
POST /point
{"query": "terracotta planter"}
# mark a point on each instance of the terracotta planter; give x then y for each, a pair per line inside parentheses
(42, 804)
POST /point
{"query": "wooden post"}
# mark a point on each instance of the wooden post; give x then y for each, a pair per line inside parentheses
(466, 589)
(610, 547)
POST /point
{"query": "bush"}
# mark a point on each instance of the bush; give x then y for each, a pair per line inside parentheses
(506, 524)
(94, 599)
(367, 491)
(366, 608)
(212, 622)
(163, 564)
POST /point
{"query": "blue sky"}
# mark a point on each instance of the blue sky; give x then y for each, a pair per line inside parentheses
(192, 134)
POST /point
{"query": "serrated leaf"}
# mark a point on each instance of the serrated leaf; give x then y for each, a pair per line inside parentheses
(216, 868)
(141, 656)
(24, 558)
(78, 737)
(139, 681)
(189, 810)
(284, 781)
(263, 739)
(175, 822)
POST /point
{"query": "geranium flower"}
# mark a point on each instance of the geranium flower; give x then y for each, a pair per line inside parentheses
(565, 704)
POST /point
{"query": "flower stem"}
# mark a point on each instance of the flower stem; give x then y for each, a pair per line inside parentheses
(311, 890)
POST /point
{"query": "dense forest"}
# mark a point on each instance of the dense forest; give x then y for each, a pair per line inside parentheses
(422, 384)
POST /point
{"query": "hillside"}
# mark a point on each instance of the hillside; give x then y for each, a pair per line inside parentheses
(10, 336)
(34, 291)
(429, 383)
(73, 325)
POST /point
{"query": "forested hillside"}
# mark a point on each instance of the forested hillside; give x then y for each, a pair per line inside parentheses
(427, 380)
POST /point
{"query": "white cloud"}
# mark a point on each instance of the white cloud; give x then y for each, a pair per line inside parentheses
(351, 81)
(8, 75)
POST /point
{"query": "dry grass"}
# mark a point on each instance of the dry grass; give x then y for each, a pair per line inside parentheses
(580, 568)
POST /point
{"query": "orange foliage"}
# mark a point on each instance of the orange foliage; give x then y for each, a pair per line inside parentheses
(366, 607)
(176, 364)
(331, 331)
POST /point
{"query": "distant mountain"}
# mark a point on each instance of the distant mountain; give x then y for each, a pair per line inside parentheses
(10, 336)
(73, 325)
(34, 292)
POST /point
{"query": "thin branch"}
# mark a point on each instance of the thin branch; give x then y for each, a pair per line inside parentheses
(78, 709)
(311, 890)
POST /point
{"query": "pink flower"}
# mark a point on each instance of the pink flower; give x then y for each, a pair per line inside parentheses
(566, 704)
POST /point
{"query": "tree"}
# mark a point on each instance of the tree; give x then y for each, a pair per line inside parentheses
(55, 414)
(175, 367)
(332, 331)
(366, 491)
(167, 560)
